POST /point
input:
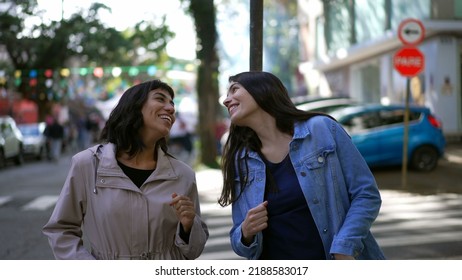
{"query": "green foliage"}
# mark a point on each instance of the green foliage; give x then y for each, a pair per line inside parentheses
(83, 37)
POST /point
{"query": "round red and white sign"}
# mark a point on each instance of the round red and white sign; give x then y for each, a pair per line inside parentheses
(409, 61)
(411, 31)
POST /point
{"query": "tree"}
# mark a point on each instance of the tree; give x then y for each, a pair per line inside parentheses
(203, 13)
(82, 37)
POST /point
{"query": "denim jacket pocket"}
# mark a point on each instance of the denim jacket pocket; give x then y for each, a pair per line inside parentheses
(318, 159)
(317, 163)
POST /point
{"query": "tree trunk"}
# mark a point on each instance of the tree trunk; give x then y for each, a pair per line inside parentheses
(203, 12)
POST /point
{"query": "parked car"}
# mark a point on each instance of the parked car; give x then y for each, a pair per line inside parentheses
(326, 105)
(34, 140)
(378, 130)
(11, 142)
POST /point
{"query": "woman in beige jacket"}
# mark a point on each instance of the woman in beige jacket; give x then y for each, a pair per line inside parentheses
(127, 197)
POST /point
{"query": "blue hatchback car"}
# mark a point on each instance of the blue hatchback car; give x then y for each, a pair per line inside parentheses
(378, 132)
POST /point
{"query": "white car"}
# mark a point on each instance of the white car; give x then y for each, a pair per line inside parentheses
(11, 142)
(34, 141)
(326, 105)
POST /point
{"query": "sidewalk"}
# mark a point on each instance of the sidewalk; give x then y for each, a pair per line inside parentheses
(209, 181)
(453, 152)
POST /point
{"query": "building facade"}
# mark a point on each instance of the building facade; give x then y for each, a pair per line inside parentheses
(347, 49)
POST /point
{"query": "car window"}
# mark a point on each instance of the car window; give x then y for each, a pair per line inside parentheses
(370, 120)
(390, 117)
(6, 128)
(414, 116)
(29, 130)
(361, 122)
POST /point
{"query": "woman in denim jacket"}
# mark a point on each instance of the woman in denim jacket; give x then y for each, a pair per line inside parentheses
(298, 186)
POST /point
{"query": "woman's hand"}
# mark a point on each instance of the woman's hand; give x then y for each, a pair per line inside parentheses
(255, 221)
(185, 211)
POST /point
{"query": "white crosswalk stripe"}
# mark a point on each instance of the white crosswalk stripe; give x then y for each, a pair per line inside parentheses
(41, 203)
(5, 199)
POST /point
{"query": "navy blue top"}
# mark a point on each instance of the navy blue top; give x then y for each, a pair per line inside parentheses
(291, 231)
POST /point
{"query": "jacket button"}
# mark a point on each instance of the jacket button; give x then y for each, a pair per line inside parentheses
(320, 159)
(324, 230)
(303, 174)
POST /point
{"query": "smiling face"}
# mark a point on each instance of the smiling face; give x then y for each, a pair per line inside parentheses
(240, 104)
(158, 115)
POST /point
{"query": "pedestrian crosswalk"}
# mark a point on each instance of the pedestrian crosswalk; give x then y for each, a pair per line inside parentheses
(405, 219)
(39, 203)
(408, 219)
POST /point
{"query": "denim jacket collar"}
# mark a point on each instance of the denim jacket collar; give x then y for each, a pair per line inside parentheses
(301, 131)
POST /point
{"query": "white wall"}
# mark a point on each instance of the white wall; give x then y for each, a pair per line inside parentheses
(442, 64)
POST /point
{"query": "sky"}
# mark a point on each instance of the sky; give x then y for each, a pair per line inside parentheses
(128, 13)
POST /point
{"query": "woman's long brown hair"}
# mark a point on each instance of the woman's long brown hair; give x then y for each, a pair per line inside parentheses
(271, 95)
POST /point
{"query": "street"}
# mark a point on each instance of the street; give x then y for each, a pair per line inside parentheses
(420, 221)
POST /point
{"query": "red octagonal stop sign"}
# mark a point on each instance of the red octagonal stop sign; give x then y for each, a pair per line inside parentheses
(409, 61)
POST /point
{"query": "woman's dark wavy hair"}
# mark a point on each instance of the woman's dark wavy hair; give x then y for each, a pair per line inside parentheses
(272, 96)
(125, 121)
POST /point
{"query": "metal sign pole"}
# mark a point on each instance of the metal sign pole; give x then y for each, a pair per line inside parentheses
(409, 61)
(256, 35)
(405, 137)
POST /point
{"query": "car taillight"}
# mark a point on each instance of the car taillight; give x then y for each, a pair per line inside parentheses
(434, 121)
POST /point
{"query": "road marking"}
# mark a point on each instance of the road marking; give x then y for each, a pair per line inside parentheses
(405, 219)
(4, 199)
(222, 255)
(41, 203)
(454, 158)
(427, 238)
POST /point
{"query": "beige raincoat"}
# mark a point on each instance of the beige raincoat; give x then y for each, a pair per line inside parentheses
(117, 219)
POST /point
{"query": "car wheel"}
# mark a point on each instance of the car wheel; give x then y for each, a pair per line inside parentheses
(424, 158)
(2, 159)
(19, 159)
(41, 153)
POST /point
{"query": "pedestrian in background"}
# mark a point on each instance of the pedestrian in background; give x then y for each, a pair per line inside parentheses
(132, 199)
(180, 141)
(298, 186)
(54, 132)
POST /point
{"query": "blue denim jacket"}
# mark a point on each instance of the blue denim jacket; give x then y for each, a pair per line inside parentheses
(338, 186)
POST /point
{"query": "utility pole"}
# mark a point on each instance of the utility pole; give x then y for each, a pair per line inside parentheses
(256, 35)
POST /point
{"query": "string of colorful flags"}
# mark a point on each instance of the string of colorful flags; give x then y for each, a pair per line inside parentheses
(34, 75)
